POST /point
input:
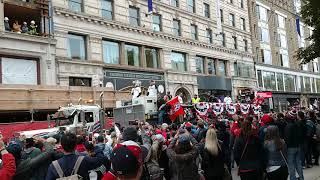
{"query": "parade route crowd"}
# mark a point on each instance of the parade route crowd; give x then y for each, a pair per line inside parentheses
(273, 146)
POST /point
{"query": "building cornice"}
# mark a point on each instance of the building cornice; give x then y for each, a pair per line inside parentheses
(122, 26)
(26, 37)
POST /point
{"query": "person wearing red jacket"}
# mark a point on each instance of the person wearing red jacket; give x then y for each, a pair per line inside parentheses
(8, 163)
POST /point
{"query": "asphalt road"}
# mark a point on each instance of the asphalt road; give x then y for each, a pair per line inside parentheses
(309, 174)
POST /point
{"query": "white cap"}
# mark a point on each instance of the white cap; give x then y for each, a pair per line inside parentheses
(24, 22)
(32, 22)
(6, 18)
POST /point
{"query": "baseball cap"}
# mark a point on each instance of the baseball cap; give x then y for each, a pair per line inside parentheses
(126, 158)
(184, 139)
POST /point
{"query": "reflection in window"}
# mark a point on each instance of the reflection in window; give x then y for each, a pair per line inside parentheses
(269, 80)
(259, 78)
(178, 61)
(132, 55)
(152, 58)
(232, 20)
(191, 6)
(222, 68)
(106, 9)
(289, 82)
(110, 52)
(209, 36)
(280, 82)
(75, 5)
(307, 85)
(199, 65)
(211, 66)
(76, 47)
(206, 10)
(176, 28)
(194, 33)
(134, 16)
(156, 22)
(262, 13)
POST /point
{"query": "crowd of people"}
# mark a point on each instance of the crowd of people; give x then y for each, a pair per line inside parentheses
(273, 147)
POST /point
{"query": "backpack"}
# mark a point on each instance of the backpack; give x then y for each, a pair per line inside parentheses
(74, 175)
(152, 171)
(311, 128)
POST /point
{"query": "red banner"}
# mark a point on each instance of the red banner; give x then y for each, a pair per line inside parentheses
(264, 94)
(175, 108)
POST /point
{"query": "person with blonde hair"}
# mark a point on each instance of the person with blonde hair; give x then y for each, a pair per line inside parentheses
(213, 157)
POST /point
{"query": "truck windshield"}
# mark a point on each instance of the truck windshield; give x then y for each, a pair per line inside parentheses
(64, 117)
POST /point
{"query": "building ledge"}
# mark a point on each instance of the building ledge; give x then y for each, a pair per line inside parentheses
(125, 27)
(287, 69)
(27, 37)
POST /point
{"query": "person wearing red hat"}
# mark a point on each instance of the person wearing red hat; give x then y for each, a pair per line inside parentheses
(266, 120)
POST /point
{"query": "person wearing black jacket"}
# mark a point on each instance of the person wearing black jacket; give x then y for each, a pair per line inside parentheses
(249, 154)
(293, 134)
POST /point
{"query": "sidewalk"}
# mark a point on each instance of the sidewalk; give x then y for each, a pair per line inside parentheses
(309, 174)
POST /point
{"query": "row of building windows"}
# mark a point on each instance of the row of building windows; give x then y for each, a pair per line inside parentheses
(285, 82)
(206, 65)
(133, 57)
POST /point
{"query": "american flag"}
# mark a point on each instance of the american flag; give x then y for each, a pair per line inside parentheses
(95, 127)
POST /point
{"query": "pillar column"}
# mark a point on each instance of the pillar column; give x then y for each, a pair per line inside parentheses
(216, 64)
(228, 68)
(143, 62)
(123, 54)
(205, 65)
(161, 59)
(1, 16)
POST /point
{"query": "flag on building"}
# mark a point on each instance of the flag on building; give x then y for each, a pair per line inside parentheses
(298, 26)
(175, 108)
(150, 8)
(218, 13)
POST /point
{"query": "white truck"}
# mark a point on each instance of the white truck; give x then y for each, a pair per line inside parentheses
(89, 118)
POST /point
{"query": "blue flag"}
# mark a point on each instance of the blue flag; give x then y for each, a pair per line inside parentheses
(298, 26)
(150, 8)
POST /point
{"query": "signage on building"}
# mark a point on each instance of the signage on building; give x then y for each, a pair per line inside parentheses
(133, 75)
(264, 94)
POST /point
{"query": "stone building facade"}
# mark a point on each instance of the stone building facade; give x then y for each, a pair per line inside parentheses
(275, 41)
(181, 42)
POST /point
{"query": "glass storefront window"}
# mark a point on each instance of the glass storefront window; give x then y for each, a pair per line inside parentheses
(269, 80)
(246, 70)
(110, 52)
(280, 82)
(211, 66)
(318, 85)
(259, 78)
(307, 85)
(132, 55)
(199, 65)
(152, 58)
(222, 68)
(178, 61)
(289, 83)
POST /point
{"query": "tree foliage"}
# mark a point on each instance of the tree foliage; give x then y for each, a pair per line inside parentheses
(310, 13)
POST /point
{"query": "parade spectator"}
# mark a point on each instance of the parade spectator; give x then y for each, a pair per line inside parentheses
(275, 149)
(213, 158)
(8, 168)
(183, 157)
(68, 161)
(267, 120)
(126, 161)
(80, 148)
(248, 153)
(281, 124)
(224, 137)
(30, 150)
(292, 134)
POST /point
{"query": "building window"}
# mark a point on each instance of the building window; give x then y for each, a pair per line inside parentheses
(246, 70)
(242, 24)
(19, 71)
(110, 52)
(211, 66)
(222, 68)
(289, 81)
(281, 21)
(245, 45)
(199, 65)
(221, 15)
(176, 27)
(235, 42)
(307, 85)
(264, 35)
(318, 85)
(231, 1)
(175, 3)
(262, 13)
(260, 84)
(76, 5)
(76, 47)
(209, 36)
(156, 22)
(302, 41)
(304, 67)
(284, 60)
(107, 9)
(297, 5)
(77, 81)
(280, 82)
(152, 57)
(282, 41)
(206, 10)
(194, 32)
(178, 61)
(269, 80)
(132, 55)
(191, 6)
(232, 20)
(315, 66)
(134, 19)
(235, 69)
(241, 4)
(223, 39)
(266, 56)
